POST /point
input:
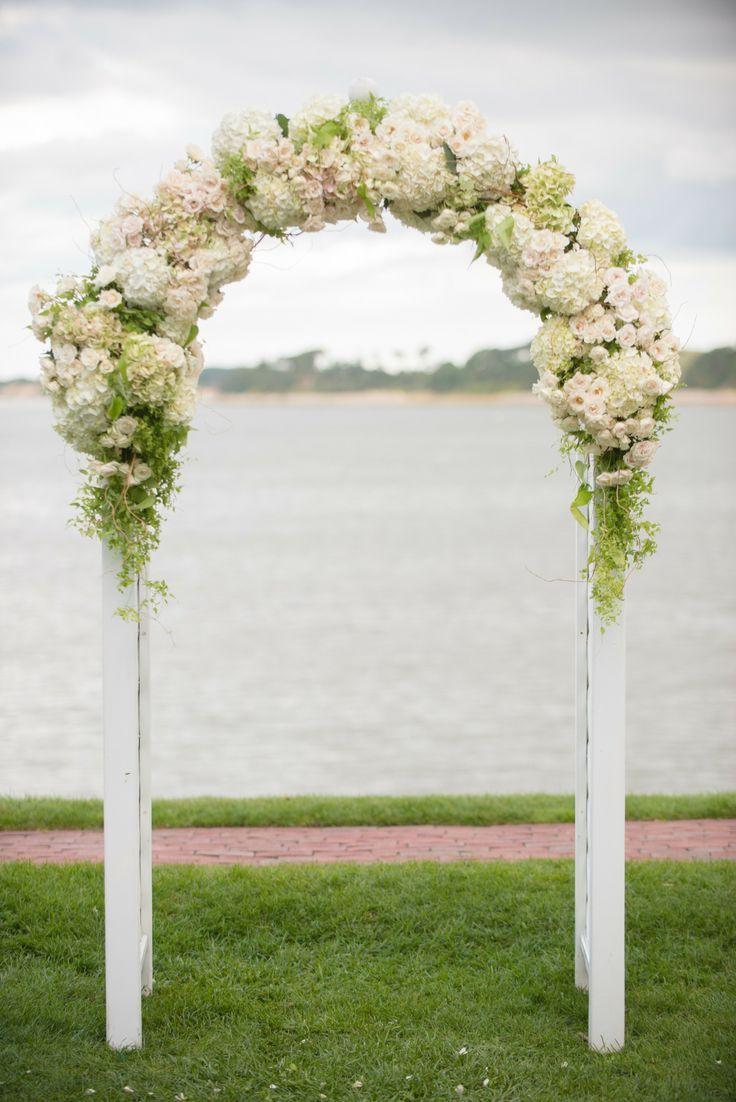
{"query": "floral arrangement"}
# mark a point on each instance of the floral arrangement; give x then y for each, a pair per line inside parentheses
(123, 355)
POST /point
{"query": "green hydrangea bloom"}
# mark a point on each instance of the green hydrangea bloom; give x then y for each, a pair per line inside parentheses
(546, 188)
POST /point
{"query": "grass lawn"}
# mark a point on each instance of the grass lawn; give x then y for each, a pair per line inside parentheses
(48, 813)
(411, 980)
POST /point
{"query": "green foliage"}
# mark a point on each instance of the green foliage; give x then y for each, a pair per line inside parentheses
(116, 407)
(129, 518)
(450, 158)
(583, 497)
(283, 124)
(627, 259)
(504, 231)
(324, 134)
(478, 232)
(370, 206)
(240, 178)
(374, 109)
(623, 538)
(137, 320)
(408, 979)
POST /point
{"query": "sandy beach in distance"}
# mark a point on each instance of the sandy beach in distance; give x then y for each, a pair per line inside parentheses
(208, 395)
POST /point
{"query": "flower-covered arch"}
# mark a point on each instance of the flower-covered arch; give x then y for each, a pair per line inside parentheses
(123, 352)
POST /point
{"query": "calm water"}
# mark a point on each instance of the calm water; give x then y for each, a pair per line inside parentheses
(369, 599)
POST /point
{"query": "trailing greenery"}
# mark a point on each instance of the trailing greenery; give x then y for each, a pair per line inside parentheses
(129, 517)
(381, 983)
(55, 813)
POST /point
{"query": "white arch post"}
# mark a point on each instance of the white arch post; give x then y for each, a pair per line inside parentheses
(600, 814)
(599, 811)
(127, 790)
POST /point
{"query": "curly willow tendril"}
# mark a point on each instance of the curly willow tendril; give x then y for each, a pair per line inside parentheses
(123, 354)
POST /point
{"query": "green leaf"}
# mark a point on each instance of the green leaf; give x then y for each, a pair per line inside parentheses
(481, 245)
(370, 206)
(505, 230)
(191, 335)
(325, 133)
(145, 503)
(116, 407)
(450, 158)
(580, 469)
(283, 124)
(582, 498)
(579, 517)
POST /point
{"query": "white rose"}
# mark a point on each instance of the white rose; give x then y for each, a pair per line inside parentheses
(594, 407)
(105, 275)
(110, 299)
(141, 472)
(362, 89)
(641, 454)
(626, 335)
(90, 357)
(614, 478)
(627, 312)
(65, 285)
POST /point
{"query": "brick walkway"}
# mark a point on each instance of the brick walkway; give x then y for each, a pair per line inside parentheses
(684, 840)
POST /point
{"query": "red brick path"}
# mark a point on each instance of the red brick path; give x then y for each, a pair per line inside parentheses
(685, 840)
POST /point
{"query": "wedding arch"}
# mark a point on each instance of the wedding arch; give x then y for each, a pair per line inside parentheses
(121, 367)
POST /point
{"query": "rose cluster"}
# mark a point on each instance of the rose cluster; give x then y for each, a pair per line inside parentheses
(123, 359)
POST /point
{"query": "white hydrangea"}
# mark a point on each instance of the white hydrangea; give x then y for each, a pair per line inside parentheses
(600, 231)
(276, 203)
(143, 274)
(467, 124)
(239, 127)
(225, 260)
(554, 346)
(509, 230)
(124, 230)
(633, 382)
(318, 110)
(571, 284)
(427, 112)
(488, 163)
(520, 289)
(423, 179)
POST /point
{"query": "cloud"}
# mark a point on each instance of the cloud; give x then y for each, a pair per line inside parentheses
(83, 117)
(637, 99)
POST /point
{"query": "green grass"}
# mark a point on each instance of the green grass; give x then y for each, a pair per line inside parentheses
(29, 813)
(313, 978)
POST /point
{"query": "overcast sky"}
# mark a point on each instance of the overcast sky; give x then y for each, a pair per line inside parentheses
(637, 99)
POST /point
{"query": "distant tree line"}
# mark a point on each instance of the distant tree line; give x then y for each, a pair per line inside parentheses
(489, 371)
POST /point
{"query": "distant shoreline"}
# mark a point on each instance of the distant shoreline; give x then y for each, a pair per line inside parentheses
(208, 395)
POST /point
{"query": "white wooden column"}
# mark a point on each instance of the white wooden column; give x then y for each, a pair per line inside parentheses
(581, 756)
(126, 732)
(600, 809)
(144, 731)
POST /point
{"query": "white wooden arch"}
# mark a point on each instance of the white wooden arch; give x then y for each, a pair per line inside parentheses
(600, 689)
